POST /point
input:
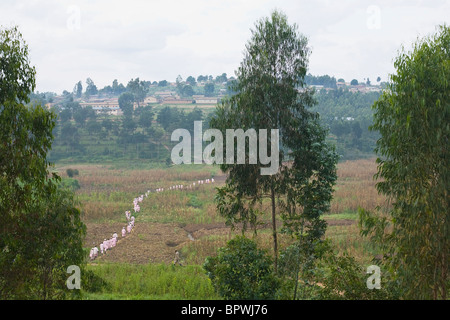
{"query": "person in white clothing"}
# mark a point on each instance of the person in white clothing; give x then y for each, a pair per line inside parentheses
(177, 258)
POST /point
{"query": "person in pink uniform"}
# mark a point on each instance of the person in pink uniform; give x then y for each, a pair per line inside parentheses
(114, 240)
(124, 232)
(105, 245)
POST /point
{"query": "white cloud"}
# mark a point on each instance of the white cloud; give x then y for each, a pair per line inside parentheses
(160, 39)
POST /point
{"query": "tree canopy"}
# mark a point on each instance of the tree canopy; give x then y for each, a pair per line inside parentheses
(267, 97)
(413, 117)
(40, 227)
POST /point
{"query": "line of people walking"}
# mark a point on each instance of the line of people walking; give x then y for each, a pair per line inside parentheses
(110, 243)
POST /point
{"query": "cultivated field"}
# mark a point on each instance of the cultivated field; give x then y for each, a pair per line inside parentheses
(187, 220)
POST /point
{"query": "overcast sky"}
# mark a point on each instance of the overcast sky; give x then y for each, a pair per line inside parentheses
(160, 39)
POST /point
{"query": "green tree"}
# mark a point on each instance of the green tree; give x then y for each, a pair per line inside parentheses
(106, 90)
(413, 117)
(340, 128)
(41, 231)
(107, 124)
(242, 271)
(209, 89)
(117, 89)
(91, 88)
(70, 134)
(146, 118)
(80, 116)
(191, 80)
(17, 80)
(356, 129)
(268, 97)
(129, 125)
(93, 127)
(169, 117)
(222, 78)
(201, 78)
(78, 89)
(163, 83)
(137, 89)
(126, 102)
(354, 82)
(65, 115)
(187, 91)
(325, 80)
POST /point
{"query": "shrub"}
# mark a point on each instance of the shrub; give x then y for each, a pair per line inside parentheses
(242, 271)
(71, 184)
(72, 172)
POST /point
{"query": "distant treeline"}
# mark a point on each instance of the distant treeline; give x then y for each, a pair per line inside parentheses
(348, 115)
(84, 135)
(326, 81)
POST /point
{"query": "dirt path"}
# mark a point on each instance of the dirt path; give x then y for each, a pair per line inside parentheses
(157, 242)
(148, 242)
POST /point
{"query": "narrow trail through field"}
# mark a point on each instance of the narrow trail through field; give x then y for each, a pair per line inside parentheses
(156, 242)
(142, 242)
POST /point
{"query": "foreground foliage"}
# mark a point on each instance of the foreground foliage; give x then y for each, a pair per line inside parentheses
(40, 228)
(413, 118)
(242, 271)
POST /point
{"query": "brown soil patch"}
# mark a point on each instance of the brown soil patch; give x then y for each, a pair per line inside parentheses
(148, 242)
(157, 242)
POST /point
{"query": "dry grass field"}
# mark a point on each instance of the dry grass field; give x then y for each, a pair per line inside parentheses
(188, 221)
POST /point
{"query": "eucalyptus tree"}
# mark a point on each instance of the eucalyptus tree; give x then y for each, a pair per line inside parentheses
(413, 118)
(270, 94)
(41, 231)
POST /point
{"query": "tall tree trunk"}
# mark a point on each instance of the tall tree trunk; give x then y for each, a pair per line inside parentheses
(274, 230)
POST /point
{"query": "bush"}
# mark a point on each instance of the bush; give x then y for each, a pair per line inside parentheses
(194, 202)
(72, 172)
(346, 279)
(242, 271)
(71, 184)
